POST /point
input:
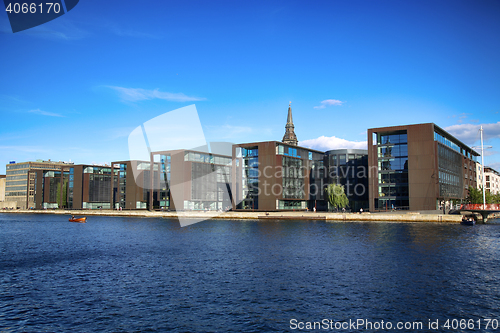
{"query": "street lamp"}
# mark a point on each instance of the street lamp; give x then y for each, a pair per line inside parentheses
(482, 167)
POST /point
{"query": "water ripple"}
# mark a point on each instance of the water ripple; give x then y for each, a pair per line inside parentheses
(150, 275)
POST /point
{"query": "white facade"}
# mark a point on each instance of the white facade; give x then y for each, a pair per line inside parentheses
(479, 175)
(492, 180)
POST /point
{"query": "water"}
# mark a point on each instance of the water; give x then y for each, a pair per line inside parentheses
(116, 274)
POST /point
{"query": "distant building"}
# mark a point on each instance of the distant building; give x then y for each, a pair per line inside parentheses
(2, 188)
(418, 167)
(21, 180)
(492, 180)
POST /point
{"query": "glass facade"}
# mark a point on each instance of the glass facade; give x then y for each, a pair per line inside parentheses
(293, 178)
(450, 144)
(71, 185)
(165, 167)
(16, 183)
(206, 158)
(210, 181)
(99, 187)
(393, 188)
(450, 172)
(122, 186)
(292, 204)
(209, 187)
(349, 168)
(56, 189)
(250, 177)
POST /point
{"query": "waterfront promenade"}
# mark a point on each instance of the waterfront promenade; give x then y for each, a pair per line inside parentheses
(292, 215)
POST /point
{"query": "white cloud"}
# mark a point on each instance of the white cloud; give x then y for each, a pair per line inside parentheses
(45, 113)
(469, 133)
(329, 102)
(324, 143)
(139, 94)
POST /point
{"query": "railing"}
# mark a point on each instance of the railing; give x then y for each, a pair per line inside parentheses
(480, 207)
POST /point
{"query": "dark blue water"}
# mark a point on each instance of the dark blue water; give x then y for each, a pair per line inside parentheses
(117, 274)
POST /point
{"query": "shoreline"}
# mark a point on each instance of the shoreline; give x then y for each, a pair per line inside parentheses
(310, 216)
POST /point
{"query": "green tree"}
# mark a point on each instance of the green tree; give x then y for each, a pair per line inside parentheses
(336, 196)
(62, 200)
(475, 195)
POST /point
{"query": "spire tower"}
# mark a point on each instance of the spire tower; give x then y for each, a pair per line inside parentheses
(290, 136)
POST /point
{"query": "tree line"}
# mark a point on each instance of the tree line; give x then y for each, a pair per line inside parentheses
(476, 196)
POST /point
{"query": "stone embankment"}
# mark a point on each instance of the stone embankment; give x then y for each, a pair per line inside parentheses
(348, 217)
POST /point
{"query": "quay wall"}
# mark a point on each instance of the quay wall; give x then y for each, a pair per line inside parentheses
(347, 217)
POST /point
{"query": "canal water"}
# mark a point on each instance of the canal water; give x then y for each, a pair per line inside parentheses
(116, 274)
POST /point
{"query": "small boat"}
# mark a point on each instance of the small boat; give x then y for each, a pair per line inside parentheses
(79, 220)
(468, 221)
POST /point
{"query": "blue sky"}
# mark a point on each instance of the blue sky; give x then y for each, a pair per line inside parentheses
(74, 88)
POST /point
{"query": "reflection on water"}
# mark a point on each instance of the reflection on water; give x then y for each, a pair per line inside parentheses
(129, 274)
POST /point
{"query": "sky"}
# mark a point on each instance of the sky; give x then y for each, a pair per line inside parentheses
(74, 88)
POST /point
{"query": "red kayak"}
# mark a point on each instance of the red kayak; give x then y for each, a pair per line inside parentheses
(79, 220)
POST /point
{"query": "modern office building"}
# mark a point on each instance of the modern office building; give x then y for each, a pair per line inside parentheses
(52, 188)
(91, 187)
(492, 178)
(131, 190)
(349, 168)
(274, 175)
(75, 187)
(194, 180)
(21, 180)
(417, 167)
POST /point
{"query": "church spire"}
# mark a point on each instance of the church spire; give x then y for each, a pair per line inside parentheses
(290, 136)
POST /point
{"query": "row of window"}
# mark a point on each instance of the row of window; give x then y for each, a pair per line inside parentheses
(16, 172)
(206, 158)
(393, 151)
(14, 188)
(17, 166)
(97, 170)
(9, 177)
(393, 191)
(399, 163)
(16, 194)
(291, 204)
(388, 139)
(16, 182)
